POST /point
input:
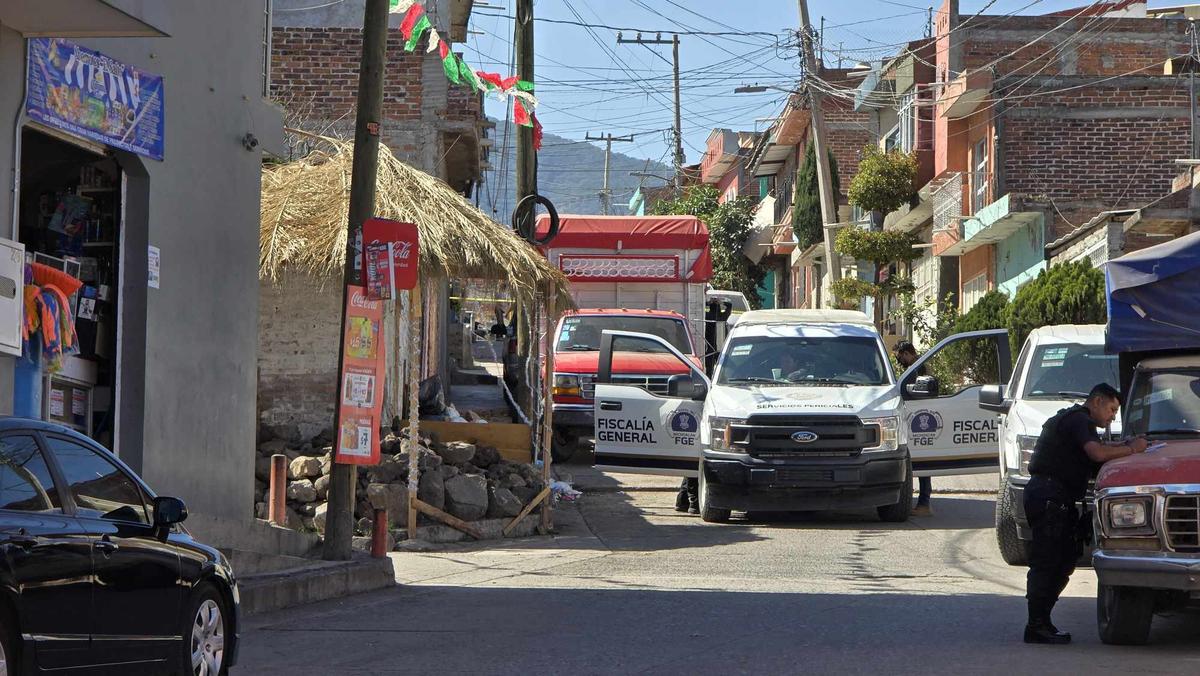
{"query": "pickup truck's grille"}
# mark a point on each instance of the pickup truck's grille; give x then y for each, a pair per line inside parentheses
(653, 384)
(835, 435)
(1183, 523)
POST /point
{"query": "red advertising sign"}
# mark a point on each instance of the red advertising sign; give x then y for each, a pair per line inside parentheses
(362, 374)
(390, 254)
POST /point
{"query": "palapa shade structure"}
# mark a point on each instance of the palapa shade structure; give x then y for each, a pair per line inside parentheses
(306, 204)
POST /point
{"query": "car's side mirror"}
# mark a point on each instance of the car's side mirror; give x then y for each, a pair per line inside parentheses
(169, 511)
(991, 398)
(699, 391)
(683, 386)
(924, 387)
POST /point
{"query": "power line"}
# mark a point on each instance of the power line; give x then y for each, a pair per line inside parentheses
(584, 24)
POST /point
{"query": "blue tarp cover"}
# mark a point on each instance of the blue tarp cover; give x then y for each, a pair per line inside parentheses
(1154, 297)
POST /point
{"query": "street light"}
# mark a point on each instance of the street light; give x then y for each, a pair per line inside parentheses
(758, 89)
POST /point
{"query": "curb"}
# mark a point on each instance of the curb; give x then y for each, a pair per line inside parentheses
(317, 582)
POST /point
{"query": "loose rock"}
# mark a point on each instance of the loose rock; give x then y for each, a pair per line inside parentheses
(502, 503)
(467, 497)
(449, 472)
(319, 515)
(322, 486)
(262, 467)
(457, 452)
(432, 489)
(260, 510)
(272, 447)
(302, 491)
(485, 456)
(393, 498)
(304, 468)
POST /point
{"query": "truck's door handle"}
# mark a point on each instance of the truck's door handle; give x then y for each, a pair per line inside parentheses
(106, 545)
(21, 539)
(610, 406)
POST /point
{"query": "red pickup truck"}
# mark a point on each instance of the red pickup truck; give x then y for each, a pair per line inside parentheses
(577, 356)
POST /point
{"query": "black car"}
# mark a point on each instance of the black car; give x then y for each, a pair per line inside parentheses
(97, 571)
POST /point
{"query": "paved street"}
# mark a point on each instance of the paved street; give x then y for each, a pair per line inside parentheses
(630, 586)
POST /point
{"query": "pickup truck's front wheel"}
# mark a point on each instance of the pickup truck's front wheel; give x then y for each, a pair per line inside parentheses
(899, 512)
(1013, 549)
(1124, 614)
(708, 513)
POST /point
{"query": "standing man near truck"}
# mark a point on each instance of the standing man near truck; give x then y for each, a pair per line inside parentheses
(1066, 455)
(906, 354)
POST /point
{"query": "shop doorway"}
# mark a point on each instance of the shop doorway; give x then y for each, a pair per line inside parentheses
(69, 220)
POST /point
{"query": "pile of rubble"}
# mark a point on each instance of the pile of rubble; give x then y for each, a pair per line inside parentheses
(465, 480)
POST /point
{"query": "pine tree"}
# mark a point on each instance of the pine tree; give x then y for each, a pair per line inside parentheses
(806, 205)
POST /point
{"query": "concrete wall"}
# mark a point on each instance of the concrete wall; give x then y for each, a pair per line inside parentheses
(1020, 257)
(186, 402)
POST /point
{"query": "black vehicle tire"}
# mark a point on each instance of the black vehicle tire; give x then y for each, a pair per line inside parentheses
(10, 657)
(201, 629)
(899, 512)
(1013, 549)
(563, 445)
(709, 514)
(1124, 614)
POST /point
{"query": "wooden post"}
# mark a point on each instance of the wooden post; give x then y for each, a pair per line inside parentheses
(414, 382)
(544, 495)
(277, 508)
(448, 519)
(547, 402)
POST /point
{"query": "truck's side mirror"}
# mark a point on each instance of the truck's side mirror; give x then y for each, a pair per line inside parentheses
(991, 398)
(924, 387)
(685, 387)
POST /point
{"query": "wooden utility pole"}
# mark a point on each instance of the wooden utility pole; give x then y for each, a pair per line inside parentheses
(526, 186)
(829, 208)
(339, 523)
(674, 42)
(606, 192)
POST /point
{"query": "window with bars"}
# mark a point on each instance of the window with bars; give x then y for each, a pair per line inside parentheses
(908, 123)
(972, 291)
(979, 177)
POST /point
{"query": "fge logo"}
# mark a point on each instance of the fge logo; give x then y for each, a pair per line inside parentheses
(684, 428)
(924, 427)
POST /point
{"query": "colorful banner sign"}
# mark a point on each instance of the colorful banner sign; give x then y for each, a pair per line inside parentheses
(86, 93)
(362, 372)
(390, 257)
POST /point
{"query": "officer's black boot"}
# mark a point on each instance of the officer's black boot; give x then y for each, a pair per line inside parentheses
(681, 500)
(693, 493)
(1039, 629)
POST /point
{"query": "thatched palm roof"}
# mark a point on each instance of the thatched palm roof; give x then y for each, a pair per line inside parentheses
(305, 206)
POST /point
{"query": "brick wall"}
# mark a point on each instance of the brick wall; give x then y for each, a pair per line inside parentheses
(315, 70)
(849, 131)
(297, 351)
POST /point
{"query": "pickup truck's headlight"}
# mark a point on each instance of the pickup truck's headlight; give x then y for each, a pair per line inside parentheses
(889, 433)
(721, 434)
(1128, 513)
(1025, 442)
(567, 385)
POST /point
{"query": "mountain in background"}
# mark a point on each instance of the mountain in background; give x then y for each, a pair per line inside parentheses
(570, 174)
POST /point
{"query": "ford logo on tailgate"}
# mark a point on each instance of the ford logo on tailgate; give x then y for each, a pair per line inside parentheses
(804, 437)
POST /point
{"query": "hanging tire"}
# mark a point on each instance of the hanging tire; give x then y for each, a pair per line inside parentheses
(1124, 614)
(205, 631)
(899, 512)
(708, 513)
(1013, 549)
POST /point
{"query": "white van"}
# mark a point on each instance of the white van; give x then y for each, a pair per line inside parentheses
(1057, 367)
(803, 412)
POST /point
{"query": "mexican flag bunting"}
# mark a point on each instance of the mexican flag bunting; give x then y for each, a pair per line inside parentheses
(435, 39)
(537, 133)
(468, 76)
(449, 62)
(529, 99)
(525, 85)
(492, 80)
(399, 6)
(521, 115)
(423, 24)
(508, 83)
(411, 16)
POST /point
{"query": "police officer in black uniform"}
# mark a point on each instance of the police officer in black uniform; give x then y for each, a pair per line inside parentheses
(1066, 455)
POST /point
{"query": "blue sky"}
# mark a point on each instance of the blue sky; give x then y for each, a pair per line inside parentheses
(589, 83)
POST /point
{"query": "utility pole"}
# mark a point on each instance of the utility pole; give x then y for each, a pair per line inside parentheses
(829, 209)
(605, 192)
(340, 518)
(526, 184)
(674, 42)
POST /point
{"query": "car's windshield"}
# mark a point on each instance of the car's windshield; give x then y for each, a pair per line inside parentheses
(1069, 371)
(1165, 403)
(792, 360)
(582, 333)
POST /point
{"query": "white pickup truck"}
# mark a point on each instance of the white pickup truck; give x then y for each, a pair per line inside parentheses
(803, 412)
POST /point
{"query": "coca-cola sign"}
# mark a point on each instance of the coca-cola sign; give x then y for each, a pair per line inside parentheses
(390, 257)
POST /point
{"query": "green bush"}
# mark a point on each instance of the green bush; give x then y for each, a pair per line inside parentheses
(807, 222)
(973, 361)
(849, 291)
(885, 181)
(1072, 293)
